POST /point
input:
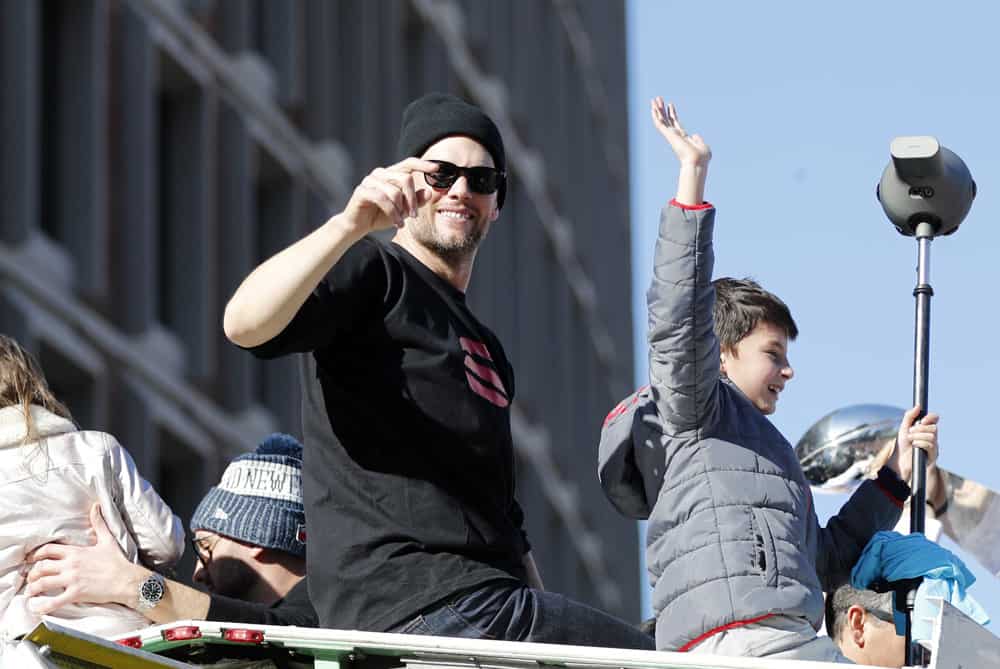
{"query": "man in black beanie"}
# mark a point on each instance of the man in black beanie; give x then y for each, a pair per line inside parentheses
(408, 470)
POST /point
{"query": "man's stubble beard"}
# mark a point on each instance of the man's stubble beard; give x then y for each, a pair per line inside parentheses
(454, 251)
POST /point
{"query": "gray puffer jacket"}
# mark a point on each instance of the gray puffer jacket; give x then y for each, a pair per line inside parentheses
(733, 536)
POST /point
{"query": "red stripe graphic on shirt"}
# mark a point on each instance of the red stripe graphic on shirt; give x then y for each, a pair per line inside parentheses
(485, 373)
(472, 346)
(482, 375)
(486, 392)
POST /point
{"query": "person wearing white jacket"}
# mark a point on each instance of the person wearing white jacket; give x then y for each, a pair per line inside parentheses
(51, 474)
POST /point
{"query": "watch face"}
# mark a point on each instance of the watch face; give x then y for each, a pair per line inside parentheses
(151, 591)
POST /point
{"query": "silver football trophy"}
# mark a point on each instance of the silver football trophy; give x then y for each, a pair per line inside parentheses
(926, 191)
(848, 445)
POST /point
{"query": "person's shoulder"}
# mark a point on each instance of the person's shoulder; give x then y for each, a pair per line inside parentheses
(98, 442)
(81, 447)
(365, 251)
(367, 260)
(371, 245)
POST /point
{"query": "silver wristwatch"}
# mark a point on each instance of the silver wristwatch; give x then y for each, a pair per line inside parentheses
(151, 591)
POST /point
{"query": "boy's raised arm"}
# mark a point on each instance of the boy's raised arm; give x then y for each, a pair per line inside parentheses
(683, 349)
(691, 151)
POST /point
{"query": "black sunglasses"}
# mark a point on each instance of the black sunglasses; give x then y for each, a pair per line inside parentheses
(482, 180)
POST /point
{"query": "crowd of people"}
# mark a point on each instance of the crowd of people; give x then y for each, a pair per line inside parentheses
(407, 479)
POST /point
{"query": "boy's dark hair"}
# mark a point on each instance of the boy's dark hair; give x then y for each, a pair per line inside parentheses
(740, 304)
(839, 600)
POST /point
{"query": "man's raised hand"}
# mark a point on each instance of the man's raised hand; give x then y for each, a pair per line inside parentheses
(389, 195)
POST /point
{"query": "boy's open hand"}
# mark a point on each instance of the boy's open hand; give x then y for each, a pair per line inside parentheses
(922, 434)
(689, 149)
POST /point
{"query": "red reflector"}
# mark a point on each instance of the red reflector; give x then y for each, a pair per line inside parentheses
(243, 636)
(131, 642)
(182, 633)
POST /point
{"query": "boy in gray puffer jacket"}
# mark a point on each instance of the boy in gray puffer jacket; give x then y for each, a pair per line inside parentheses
(736, 556)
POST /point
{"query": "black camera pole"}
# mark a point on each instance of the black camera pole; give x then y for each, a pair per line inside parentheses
(921, 356)
(926, 191)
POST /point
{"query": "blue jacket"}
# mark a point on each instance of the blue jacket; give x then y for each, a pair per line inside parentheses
(733, 535)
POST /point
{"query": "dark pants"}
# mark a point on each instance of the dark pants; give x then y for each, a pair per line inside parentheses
(508, 612)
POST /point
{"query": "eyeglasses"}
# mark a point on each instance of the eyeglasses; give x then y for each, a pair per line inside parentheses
(482, 180)
(203, 549)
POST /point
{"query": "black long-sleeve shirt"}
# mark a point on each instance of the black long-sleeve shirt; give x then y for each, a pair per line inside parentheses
(293, 609)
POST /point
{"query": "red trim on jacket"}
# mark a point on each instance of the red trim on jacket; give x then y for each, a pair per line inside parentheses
(691, 207)
(624, 405)
(895, 500)
(894, 487)
(728, 626)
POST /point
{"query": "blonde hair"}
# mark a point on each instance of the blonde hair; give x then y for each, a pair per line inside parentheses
(22, 384)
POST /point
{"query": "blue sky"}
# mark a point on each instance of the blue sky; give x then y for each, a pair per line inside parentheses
(799, 102)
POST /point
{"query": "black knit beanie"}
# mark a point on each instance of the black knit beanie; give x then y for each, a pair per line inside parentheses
(438, 115)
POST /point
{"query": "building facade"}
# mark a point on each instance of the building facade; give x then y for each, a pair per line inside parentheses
(156, 150)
